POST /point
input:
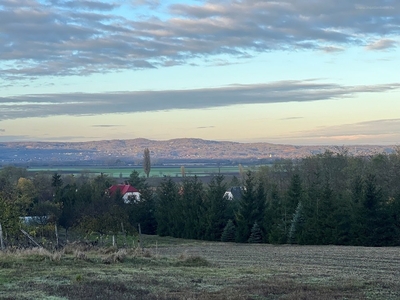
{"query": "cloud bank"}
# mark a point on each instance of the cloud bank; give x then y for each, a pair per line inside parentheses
(60, 38)
(38, 105)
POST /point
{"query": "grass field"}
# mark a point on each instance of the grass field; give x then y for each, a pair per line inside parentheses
(156, 171)
(182, 269)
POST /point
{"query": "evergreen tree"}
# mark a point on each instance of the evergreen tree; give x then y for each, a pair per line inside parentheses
(168, 211)
(137, 181)
(294, 196)
(142, 212)
(256, 235)
(296, 226)
(217, 208)
(344, 216)
(247, 213)
(193, 209)
(378, 227)
(229, 232)
(69, 216)
(274, 218)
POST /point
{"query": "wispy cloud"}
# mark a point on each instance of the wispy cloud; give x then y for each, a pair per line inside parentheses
(59, 38)
(332, 49)
(127, 102)
(106, 126)
(291, 118)
(385, 131)
(150, 3)
(205, 127)
(382, 44)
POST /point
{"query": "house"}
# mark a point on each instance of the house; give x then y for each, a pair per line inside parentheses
(234, 193)
(127, 192)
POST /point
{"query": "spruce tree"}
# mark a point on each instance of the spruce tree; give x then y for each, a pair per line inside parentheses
(295, 195)
(217, 208)
(256, 234)
(229, 232)
(168, 213)
(247, 213)
(296, 225)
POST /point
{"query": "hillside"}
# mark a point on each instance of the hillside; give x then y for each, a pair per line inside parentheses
(122, 151)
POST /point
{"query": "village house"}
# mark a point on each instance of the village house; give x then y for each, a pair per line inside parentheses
(128, 192)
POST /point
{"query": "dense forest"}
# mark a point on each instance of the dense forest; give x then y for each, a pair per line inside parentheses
(330, 198)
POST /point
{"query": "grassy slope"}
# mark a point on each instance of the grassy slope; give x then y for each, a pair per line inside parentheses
(181, 269)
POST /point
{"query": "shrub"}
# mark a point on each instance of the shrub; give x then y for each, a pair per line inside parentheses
(192, 261)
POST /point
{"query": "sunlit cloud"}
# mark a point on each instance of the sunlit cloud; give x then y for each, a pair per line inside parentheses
(62, 38)
(382, 44)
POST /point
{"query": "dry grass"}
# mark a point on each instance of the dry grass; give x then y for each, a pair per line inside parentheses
(31, 254)
(202, 271)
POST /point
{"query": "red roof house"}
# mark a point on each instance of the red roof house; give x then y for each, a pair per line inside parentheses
(127, 191)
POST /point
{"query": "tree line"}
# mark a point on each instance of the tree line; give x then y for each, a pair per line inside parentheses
(329, 198)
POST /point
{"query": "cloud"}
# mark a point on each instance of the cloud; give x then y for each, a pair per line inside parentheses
(60, 38)
(291, 118)
(41, 105)
(2, 130)
(382, 44)
(84, 5)
(106, 126)
(205, 127)
(385, 131)
(332, 49)
(150, 3)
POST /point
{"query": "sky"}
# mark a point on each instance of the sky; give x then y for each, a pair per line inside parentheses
(300, 72)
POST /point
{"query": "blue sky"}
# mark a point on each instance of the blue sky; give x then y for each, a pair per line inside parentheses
(292, 72)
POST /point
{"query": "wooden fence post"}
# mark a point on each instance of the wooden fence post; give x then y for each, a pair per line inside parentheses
(1, 238)
(140, 237)
(56, 230)
(124, 233)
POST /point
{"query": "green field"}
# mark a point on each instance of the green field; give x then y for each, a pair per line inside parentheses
(156, 171)
(170, 268)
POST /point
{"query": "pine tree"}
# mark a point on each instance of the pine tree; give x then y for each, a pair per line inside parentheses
(295, 195)
(168, 212)
(193, 209)
(256, 234)
(217, 208)
(274, 218)
(229, 232)
(296, 225)
(247, 213)
(379, 226)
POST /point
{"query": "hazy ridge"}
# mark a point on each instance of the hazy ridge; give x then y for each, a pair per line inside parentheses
(175, 149)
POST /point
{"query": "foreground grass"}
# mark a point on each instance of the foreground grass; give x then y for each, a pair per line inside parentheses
(196, 270)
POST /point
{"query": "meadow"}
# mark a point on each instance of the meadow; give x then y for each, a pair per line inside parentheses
(156, 171)
(168, 268)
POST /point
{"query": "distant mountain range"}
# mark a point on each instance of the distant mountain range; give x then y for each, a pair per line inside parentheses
(186, 149)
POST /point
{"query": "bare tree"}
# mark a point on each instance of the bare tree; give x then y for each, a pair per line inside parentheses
(183, 172)
(146, 162)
